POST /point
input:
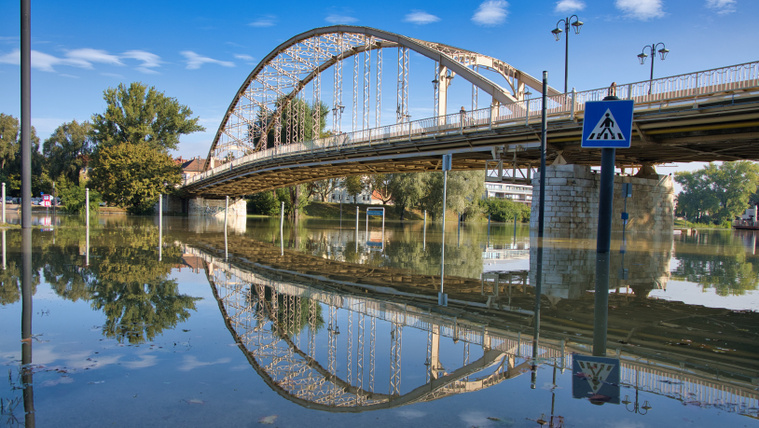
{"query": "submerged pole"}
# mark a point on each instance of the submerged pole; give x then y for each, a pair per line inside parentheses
(603, 246)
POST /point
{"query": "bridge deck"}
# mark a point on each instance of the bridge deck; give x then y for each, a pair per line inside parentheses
(681, 122)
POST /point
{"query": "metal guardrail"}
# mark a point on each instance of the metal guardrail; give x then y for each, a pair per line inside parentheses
(673, 90)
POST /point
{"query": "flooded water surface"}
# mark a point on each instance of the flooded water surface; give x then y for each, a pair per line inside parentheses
(189, 323)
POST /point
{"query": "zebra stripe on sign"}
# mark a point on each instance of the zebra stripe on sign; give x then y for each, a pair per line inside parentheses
(606, 129)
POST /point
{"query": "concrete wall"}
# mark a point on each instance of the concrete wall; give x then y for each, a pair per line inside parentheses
(215, 208)
(571, 205)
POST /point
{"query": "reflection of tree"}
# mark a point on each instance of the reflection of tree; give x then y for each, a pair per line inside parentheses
(129, 284)
(10, 284)
(407, 253)
(125, 279)
(727, 270)
(139, 310)
(10, 277)
(65, 272)
(292, 312)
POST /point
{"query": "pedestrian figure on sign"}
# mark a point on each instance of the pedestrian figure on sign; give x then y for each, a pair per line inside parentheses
(607, 124)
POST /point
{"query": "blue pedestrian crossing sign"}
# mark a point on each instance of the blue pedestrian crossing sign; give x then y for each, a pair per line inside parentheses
(607, 124)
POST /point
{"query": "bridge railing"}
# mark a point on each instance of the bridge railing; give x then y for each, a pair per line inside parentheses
(684, 88)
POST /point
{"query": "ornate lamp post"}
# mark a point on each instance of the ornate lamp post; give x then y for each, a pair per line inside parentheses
(652, 50)
(575, 22)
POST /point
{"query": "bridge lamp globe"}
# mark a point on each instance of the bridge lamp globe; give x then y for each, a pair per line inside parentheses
(577, 24)
(557, 33)
(642, 58)
(663, 53)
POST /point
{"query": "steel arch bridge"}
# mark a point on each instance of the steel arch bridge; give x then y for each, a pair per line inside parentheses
(317, 107)
(270, 103)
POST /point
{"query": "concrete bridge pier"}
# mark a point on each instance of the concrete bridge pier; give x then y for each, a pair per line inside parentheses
(572, 196)
(206, 207)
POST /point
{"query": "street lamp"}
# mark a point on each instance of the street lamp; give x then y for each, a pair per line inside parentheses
(557, 33)
(652, 50)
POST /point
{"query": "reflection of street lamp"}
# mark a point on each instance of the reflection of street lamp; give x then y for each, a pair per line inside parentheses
(557, 33)
(636, 408)
(652, 50)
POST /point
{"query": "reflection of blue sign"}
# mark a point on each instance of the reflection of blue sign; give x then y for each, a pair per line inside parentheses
(595, 378)
(607, 124)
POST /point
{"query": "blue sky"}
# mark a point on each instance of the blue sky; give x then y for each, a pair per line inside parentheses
(200, 52)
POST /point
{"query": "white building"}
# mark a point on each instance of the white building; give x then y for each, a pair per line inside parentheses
(521, 193)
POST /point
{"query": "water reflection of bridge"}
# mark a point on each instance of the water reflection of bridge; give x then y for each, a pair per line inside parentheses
(275, 316)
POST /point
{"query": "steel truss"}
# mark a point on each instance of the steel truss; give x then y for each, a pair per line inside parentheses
(270, 108)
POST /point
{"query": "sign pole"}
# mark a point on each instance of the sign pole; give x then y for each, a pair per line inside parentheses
(603, 245)
(607, 126)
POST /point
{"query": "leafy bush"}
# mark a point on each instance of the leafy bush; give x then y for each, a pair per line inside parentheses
(73, 196)
(263, 203)
(504, 210)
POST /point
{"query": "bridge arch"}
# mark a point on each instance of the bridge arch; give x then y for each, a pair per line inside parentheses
(283, 75)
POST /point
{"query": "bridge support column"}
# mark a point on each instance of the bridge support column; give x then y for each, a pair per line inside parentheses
(571, 205)
(215, 208)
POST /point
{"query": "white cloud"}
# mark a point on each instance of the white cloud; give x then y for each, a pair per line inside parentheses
(340, 19)
(195, 61)
(244, 57)
(192, 363)
(82, 58)
(491, 12)
(264, 21)
(40, 61)
(421, 17)
(722, 7)
(149, 61)
(641, 9)
(566, 6)
(85, 57)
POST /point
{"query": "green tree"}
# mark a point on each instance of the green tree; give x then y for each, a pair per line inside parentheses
(721, 191)
(68, 150)
(324, 187)
(10, 159)
(138, 114)
(289, 122)
(504, 210)
(8, 140)
(264, 203)
(465, 189)
(294, 197)
(407, 190)
(354, 185)
(380, 185)
(74, 197)
(696, 200)
(133, 176)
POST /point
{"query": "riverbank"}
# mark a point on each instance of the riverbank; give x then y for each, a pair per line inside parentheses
(326, 210)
